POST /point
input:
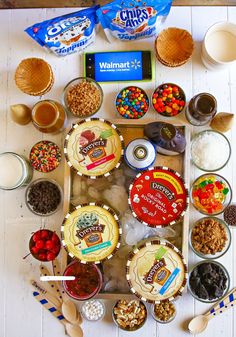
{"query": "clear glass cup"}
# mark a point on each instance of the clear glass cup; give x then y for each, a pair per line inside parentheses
(49, 116)
(201, 109)
(215, 299)
(19, 169)
(218, 254)
(84, 314)
(159, 320)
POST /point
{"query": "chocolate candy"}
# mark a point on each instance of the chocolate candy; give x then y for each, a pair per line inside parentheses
(208, 281)
(168, 100)
(230, 215)
(132, 102)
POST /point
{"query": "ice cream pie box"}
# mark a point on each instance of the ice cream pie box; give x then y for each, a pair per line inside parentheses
(95, 174)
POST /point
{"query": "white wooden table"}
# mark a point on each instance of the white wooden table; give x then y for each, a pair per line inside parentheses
(20, 315)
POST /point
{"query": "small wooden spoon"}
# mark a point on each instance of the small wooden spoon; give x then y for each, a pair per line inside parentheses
(74, 330)
(199, 323)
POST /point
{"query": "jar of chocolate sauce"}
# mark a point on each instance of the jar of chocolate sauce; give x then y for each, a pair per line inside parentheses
(201, 109)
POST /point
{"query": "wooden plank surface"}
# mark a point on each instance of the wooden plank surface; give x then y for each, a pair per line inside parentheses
(87, 3)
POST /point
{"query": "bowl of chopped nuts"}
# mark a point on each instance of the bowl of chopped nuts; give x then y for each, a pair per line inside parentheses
(82, 97)
(163, 312)
(210, 238)
(129, 315)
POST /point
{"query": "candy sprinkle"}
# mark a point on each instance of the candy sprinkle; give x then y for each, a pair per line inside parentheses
(45, 156)
(132, 102)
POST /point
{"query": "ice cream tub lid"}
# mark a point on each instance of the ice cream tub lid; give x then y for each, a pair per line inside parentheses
(94, 148)
(91, 233)
(158, 197)
(156, 271)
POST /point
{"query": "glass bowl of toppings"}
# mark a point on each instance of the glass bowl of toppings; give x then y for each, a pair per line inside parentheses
(208, 281)
(132, 102)
(87, 283)
(210, 238)
(163, 312)
(230, 215)
(211, 194)
(210, 150)
(82, 97)
(44, 245)
(129, 315)
(93, 310)
(44, 197)
(168, 99)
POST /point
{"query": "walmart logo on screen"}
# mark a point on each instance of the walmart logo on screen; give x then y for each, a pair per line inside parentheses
(119, 66)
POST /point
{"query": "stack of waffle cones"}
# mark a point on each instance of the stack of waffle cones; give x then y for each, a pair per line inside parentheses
(34, 76)
(174, 47)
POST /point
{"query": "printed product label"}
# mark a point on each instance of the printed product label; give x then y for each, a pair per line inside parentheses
(94, 148)
(156, 279)
(91, 233)
(158, 197)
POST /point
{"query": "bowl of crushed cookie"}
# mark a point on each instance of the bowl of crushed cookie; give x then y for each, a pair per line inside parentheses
(210, 238)
(163, 312)
(82, 97)
(129, 315)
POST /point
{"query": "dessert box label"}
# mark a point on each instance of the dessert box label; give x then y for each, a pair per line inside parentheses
(158, 197)
(156, 271)
(91, 233)
(93, 147)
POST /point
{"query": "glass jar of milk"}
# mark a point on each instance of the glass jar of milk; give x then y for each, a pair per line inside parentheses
(15, 171)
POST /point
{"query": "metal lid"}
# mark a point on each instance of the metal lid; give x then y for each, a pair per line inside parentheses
(156, 271)
(91, 233)
(158, 197)
(94, 148)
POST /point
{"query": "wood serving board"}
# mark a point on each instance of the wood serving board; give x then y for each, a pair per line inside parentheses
(180, 163)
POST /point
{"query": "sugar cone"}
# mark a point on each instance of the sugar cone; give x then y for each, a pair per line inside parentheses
(222, 122)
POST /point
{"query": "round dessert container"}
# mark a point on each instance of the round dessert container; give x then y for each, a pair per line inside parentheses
(117, 311)
(230, 215)
(168, 99)
(45, 156)
(94, 148)
(93, 310)
(140, 154)
(87, 283)
(156, 271)
(15, 171)
(211, 194)
(81, 90)
(157, 319)
(44, 245)
(44, 197)
(158, 197)
(91, 233)
(221, 267)
(224, 153)
(132, 102)
(227, 242)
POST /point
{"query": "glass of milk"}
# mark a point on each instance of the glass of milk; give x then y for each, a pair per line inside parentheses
(219, 46)
(15, 171)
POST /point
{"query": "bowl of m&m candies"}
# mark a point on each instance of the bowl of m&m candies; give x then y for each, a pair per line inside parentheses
(132, 102)
(44, 245)
(168, 99)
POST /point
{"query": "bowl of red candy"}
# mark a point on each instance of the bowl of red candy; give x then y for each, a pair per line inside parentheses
(168, 99)
(44, 245)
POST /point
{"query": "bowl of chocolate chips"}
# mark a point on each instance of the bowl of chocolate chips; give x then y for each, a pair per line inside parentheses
(208, 281)
(44, 197)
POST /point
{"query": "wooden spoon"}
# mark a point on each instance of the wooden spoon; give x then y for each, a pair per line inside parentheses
(74, 330)
(199, 323)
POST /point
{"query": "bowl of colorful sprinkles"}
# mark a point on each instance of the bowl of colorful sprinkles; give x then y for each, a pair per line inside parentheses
(132, 102)
(45, 156)
(211, 194)
(168, 99)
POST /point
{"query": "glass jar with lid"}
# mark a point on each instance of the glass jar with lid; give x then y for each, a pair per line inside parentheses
(49, 116)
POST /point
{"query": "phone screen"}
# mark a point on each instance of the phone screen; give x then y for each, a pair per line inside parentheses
(119, 66)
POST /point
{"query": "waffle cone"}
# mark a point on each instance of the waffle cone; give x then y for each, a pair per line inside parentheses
(34, 76)
(174, 47)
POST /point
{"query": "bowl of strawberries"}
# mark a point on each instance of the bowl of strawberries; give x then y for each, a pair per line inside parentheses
(44, 245)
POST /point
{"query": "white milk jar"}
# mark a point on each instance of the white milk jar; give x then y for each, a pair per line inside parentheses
(219, 46)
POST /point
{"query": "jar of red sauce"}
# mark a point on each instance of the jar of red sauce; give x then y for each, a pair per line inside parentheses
(88, 280)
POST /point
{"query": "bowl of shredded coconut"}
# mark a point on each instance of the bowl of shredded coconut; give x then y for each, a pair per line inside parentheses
(210, 150)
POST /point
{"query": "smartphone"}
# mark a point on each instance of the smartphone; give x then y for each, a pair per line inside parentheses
(119, 66)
